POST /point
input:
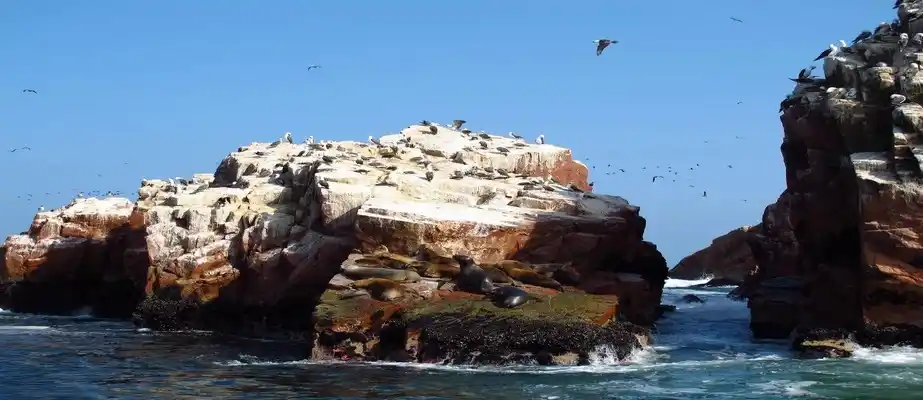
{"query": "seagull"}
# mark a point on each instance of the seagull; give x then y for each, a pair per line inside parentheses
(29, 91)
(736, 20)
(601, 45)
(310, 67)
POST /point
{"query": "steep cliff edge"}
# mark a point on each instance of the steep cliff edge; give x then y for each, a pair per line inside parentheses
(840, 251)
(348, 245)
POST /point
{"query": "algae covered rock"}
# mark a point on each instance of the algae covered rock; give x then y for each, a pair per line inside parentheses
(460, 328)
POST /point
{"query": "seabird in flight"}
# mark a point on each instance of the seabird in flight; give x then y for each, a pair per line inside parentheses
(29, 91)
(736, 20)
(601, 45)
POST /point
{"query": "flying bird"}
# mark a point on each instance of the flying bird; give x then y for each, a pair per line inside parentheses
(655, 178)
(310, 67)
(29, 91)
(601, 45)
(736, 20)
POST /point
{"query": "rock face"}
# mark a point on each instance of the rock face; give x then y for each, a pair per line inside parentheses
(91, 253)
(727, 260)
(841, 249)
(364, 234)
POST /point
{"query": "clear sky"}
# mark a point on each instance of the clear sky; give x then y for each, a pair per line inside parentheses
(130, 89)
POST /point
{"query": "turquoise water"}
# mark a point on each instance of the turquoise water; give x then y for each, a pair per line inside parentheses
(702, 351)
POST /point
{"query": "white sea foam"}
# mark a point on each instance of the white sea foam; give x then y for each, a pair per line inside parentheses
(16, 328)
(784, 387)
(889, 355)
(681, 283)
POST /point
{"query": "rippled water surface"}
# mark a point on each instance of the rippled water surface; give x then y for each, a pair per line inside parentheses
(703, 351)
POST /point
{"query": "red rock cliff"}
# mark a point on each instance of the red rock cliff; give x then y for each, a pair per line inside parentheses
(840, 251)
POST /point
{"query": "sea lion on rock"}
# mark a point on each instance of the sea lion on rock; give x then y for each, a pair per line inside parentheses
(531, 277)
(357, 272)
(496, 275)
(472, 277)
(380, 289)
(437, 270)
(510, 297)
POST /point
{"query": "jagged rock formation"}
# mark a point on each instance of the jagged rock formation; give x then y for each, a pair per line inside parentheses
(841, 250)
(363, 233)
(728, 259)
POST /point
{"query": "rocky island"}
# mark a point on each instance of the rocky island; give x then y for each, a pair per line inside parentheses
(352, 248)
(838, 257)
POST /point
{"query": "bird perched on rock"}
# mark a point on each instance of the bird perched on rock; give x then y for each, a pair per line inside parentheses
(898, 99)
(429, 172)
(862, 36)
(288, 137)
(323, 183)
(902, 40)
(540, 139)
(515, 136)
(601, 45)
(827, 53)
(374, 141)
(457, 124)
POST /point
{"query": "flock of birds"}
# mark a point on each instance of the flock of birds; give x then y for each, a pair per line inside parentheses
(866, 54)
(601, 45)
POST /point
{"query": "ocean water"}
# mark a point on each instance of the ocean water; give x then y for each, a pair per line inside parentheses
(702, 351)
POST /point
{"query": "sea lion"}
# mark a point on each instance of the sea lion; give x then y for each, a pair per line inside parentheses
(357, 272)
(510, 296)
(496, 275)
(564, 273)
(437, 270)
(530, 277)
(472, 278)
(380, 289)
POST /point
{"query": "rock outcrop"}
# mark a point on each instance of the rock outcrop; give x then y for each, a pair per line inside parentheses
(841, 250)
(727, 260)
(363, 234)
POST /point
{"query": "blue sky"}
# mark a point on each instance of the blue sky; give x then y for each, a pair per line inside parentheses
(130, 90)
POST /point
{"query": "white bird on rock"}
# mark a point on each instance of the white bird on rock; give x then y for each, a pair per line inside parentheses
(288, 137)
(540, 139)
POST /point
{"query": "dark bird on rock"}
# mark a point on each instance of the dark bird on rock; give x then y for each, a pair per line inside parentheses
(515, 136)
(862, 36)
(457, 124)
(327, 159)
(483, 144)
(601, 45)
(736, 20)
(374, 141)
(832, 50)
(574, 188)
(433, 129)
(29, 91)
(425, 123)
(503, 150)
(323, 183)
(655, 178)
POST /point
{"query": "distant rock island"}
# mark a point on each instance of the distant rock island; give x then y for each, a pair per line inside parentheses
(350, 247)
